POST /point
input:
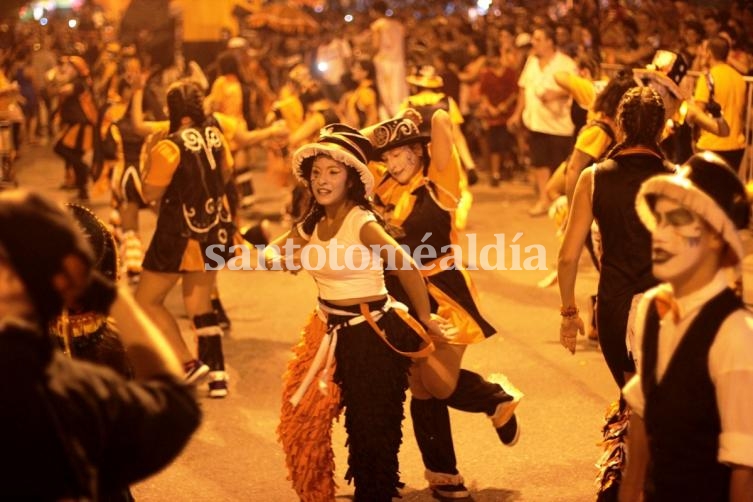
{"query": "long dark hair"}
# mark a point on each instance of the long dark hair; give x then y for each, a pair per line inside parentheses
(356, 193)
(609, 99)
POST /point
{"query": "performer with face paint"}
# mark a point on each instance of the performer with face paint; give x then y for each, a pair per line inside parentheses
(417, 195)
(691, 430)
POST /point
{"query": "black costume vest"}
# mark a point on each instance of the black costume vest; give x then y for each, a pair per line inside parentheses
(426, 216)
(681, 415)
(626, 244)
(132, 142)
(194, 200)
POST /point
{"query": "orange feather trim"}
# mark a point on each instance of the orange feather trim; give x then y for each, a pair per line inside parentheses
(305, 431)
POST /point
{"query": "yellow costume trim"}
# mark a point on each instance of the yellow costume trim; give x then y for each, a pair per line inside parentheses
(165, 157)
(468, 329)
(78, 324)
(408, 319)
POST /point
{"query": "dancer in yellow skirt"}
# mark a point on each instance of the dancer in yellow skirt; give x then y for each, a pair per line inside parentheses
(417, 196)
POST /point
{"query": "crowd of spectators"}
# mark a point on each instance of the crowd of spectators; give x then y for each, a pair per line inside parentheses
(455, 35)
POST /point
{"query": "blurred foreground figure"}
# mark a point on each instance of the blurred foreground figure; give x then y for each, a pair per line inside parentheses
(76, 430)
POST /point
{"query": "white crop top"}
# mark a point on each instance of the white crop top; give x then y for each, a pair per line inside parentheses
(343, 267)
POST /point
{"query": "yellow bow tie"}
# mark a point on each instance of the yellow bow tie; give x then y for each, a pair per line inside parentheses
(666, 303)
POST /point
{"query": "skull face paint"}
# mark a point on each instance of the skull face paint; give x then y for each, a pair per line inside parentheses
(403, 162)
(679, 240)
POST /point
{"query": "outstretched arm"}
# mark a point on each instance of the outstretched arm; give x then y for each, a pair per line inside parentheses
(282, 252)
(244, 137)
(140, 126)
(374, 236)
(715, 125)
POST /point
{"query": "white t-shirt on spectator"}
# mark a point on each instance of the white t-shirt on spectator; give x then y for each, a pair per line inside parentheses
(552, 116)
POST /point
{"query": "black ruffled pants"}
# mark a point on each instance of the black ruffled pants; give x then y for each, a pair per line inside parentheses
(373, 379)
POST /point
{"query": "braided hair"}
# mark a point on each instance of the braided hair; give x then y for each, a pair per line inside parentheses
(640, 116)
(185, 99)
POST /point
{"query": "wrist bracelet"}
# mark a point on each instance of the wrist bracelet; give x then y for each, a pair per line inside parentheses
(569, 312)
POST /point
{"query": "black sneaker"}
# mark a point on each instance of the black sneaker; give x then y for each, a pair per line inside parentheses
(503, 419)
(458, 491)
(509, 433)
(195, 371)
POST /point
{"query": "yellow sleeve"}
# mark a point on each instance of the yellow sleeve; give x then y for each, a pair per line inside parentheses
(229, 125)
(449, 179)
(218, 88)
(291, 111)
(592, 141)
(165, 157)
(367, 98)
(701, 93)
(455, 116)
(582, 90)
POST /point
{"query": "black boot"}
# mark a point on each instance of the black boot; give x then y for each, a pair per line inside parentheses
(210, 352)
(431, 426)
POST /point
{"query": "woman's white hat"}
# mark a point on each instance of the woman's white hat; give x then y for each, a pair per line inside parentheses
(342, 143)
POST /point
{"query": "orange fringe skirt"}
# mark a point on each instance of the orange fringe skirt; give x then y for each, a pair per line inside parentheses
(305, 430)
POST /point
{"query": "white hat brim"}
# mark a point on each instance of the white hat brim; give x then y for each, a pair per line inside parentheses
(686, 193)
(339, 154)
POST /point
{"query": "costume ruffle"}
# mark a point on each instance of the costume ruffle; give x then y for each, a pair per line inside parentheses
(305, 430)
(613, 459)
(374, 380)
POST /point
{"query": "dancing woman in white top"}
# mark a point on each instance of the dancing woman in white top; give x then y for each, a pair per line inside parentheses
(358, 344)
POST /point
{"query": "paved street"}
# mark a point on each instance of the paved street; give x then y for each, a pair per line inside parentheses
(235, 455)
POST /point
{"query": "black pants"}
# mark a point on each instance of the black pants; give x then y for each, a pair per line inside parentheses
(74, 158)
(373, 379)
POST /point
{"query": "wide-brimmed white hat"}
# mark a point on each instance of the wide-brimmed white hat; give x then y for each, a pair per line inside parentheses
(342, 143)
(706, 185)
